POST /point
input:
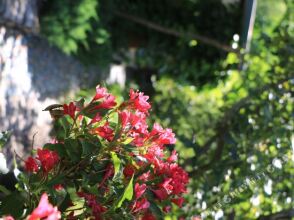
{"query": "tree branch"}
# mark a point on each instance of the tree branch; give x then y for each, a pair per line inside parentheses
(282, 215)
(175, 33)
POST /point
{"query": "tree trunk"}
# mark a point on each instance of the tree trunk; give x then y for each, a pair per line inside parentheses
(33, 75)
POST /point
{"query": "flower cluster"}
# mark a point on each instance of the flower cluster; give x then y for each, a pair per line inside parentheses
(46, 159)
(105, 162)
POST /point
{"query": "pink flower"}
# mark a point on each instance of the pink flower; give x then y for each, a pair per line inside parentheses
(47, 158)
(141, 204)
(173, 157)
(167, 137)
(139, 190)
(108, 103)
(8, 217)
(139, 101)
(45, 209)
(138, 140)
(31, 165)
(138, 122)
(162, 136)
(157, 129)
(167, 185)
(145, 176)
(100, 93)
(69, 109)
(166, 209)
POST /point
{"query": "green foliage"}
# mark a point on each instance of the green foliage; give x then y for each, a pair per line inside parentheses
(93, 31)
(127, 194)
(181, 57)
(238, 129)
(4, 137)
(116, 163)
(75, 27)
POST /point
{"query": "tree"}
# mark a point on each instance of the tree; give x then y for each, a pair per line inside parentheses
(235, 138)
(32, 75)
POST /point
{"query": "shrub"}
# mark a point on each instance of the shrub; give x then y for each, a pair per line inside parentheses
(103, 163)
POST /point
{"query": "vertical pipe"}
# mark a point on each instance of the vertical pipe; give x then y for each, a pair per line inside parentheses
(248, 23)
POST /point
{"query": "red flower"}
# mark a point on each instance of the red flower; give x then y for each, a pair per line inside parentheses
(69, 109)
(31, 165)
(180, 179)
(91, 201)
(166, 209)
(129, 170)
(45, 209)
(140, 205)
(145, 176)
(148, 216)
(168, 137)
(139, 101)
(58, 187)
(124, 118)
(105, 132)
(108, 173)
(138, 122)
(173, 157)
(97, 118)
(108, 103)
(167, 185)
(178, 201)
(139, 190)
(160, 194)
(47, 158)
(138, 140)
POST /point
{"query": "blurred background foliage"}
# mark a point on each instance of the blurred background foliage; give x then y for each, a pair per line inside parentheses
(232, 112)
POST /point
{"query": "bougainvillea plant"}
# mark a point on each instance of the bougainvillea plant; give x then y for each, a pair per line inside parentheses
(104, 163)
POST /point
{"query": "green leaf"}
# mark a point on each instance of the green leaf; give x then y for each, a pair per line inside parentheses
(4, 190)
(59, 148)
(66, 122)
(4, 137)
(90, 111)
(56, 180)
(65, 203)
(118, 127)
(74, 149)
(156, 210)
(127, 140)
(12, 205)
(89, 147)
(116, 163)
(128, 194)
(62, 127)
